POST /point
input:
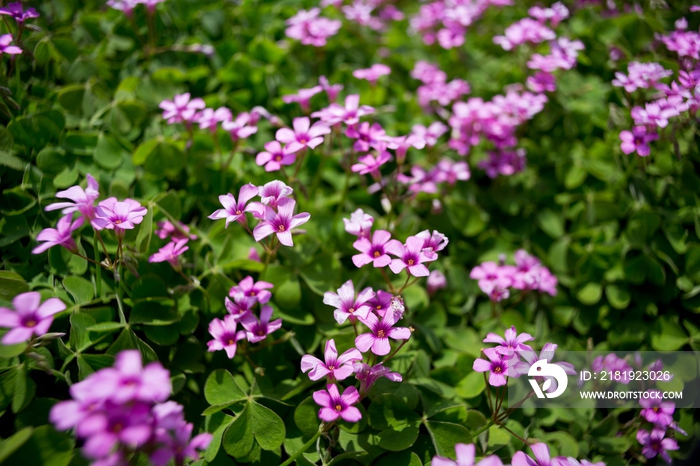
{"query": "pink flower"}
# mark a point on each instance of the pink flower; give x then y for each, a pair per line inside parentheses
(436, 281)
(367, 375)
(497, 366)
(373, 73)
(272, 193)
(302, 97)
(235, 211)
(334, 405)
(465, 457)
(655, 444)
(542, 81)
(371, 164)
(450, 172)
(240, 306)
(334, 367)
(127, 6)
(238, 128)
(345, 303)
(511, 343)
(491, 276)
(225, 335)
(181, 108)
(431, 133)
(83, 199)
(349, 114)
(359, 223)
(258, 329)
(555, 14)
(367, 136)
(410, 256)
(303, 134)
(380, 331)
(401, 144)
(118, 215)
(5, 46)
(281, 222)
(657, 411)
(60, 236)
(331, 90)
(171, 252)
(257, 290)
(432, 243)
(542, 458)
(311, 29)
(168, 230)
(637, 140)
(275, 156)
(210, 118)
(381, 302)
(372, 251)
(531, 357)
(18, 13)
(30, 317)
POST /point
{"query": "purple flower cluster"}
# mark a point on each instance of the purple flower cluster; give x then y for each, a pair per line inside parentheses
(375, 247)
(505, 359)
(123, 409)
(29, 317)
(435, 87)
(275, 212)
(18, 13)
(109, 214)
(446, 21)
(368, 308)
(374, 14)
(179, 237)
(245, 296)
(466, 454)
(528, 273)
(310, 28)
(641, 76)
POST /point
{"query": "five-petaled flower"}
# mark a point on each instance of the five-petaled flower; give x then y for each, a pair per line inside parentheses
(171, 252)
(497, 365)
(225, 334)
(118, 215)
(30, 317)
(275, 156)
(410, 256)
(260, 290)
(281, 222)
(234, 211)
(335, 367)
(465, 457)
(258, 329)
(345, 303)
(303, 135)
(83, 200)
(334, 405)
(372, 251)
(380, 331)
(59, 236)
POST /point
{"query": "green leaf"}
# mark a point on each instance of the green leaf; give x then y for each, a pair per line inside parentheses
(19, 400)
(143, 151)
(404, 458)
(267, 426)
(71, 97)
(11, 285)
(128, 340)
(618, 296)
(306, 417)
(153, 313)
(551, 223)
(221, 389)
(45, 447)
(9, 446)
(217, 425)
(143, 239)
(388, 411)
(590, 293)
(238, 439)
(80, 338)
(471, 386)
(397, 440)
(108, 152)
(80, 289)
(667, 335)
(445, 435)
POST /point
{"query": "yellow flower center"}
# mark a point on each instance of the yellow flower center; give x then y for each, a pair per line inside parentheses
(377, 254)
(338, 408)
(281, 228)
(411, 262)
(380, 334)
(30, 323)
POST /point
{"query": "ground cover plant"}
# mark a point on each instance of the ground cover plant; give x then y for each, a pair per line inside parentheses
(333, 233)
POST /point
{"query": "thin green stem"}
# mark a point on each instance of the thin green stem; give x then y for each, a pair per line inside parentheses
(403, 343)
(483, 429)
(304, 447)
(98, 270)
(118, 292)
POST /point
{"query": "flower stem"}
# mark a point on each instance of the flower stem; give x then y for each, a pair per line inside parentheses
(304, 447)
(483, 429)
